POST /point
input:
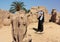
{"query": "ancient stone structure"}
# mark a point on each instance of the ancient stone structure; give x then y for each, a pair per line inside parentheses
(34, 17)
(29, 18)
(22, 20)
(4, 17)
(53, 15)
(15, 28)
(6, 22)
(19, 23)
(42, 8)
(34, 11)
(58, 18)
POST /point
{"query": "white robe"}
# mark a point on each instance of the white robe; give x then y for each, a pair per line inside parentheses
(41, 18)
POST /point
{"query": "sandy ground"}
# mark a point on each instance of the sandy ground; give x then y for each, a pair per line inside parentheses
(6, 34)
(51, 33)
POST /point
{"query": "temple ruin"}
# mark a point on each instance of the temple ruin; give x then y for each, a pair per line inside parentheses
(20, 21)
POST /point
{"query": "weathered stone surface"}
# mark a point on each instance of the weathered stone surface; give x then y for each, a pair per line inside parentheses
(59, 21)
(43, 9)
(47, 18)
(34, 10)
(4, 15)
(1, 24)
(53, 15)
(34, 18)
(22, 26)
(20, 12)
(6, 22)
(15, 29)
(29, 18)
(19, 22)
(58, 18)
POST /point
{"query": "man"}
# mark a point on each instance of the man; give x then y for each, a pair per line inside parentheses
(40, 21)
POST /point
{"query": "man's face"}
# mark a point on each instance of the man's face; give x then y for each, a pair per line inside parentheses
(40, 13)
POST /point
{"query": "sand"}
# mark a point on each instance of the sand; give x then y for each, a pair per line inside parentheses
(6, 34)
(51, 33)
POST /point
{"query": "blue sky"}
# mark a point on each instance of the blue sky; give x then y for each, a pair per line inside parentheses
(49, 4)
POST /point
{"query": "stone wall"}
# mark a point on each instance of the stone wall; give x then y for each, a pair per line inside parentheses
(4, 17)
(58, 18)
(34, 10)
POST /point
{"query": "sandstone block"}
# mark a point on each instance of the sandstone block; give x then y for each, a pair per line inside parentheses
(6, 22)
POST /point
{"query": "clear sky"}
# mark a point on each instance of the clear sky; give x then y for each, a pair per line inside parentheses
(49, 4)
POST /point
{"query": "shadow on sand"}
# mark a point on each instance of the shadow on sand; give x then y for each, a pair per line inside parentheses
(35, 29)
